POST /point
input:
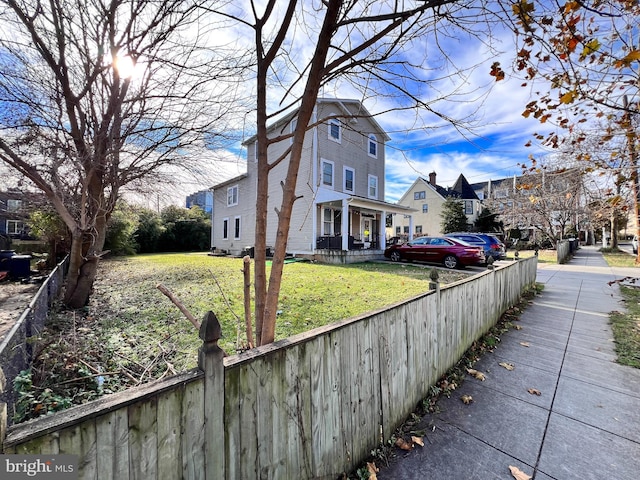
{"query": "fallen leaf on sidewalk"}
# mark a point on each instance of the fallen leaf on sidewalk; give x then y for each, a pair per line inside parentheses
(517, 473)
(524, 344)
(417, 440)
(534, 391)
(402, 444)
(466, 399)
(508, 366)
(517, 327)
(475, 373)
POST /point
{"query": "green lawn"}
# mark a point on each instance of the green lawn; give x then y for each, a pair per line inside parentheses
(312, 294)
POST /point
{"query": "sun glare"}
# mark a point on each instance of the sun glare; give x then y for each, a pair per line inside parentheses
(125, 66)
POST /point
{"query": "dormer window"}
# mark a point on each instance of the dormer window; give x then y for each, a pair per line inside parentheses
(335, 130)
(373, 146)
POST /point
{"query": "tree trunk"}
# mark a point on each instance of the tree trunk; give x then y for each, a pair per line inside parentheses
(86, 251)
(305, 113)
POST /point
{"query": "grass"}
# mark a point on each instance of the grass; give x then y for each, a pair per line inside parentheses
(626, 328)
(130, 333)
(618, 258)
(544, 256)
(626, 325)
(312, 295)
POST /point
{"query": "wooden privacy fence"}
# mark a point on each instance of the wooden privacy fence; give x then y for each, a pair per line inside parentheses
(310, 406)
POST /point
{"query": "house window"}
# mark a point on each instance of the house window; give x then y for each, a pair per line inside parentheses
(373, 186)
(418, 229)
(232, 196)
(335, 130)
(14, 227)
(327, 173)
(349, 179)
(14, 205)
(225, 228)
(373, 146)
(425, 208)
(468, 207)
(405, 229)
(419, 195)
(398, 231)
(236, 228)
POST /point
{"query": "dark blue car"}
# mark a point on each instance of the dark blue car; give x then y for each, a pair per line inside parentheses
(491, 244)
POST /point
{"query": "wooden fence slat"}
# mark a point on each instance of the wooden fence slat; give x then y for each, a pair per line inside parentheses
(282, 414)
(143, 440)
(169, 434)
(232, 422)
(81, 440)
(192, 420)
(266, 412)
(112, 442)
(298, 404)
(248, 416)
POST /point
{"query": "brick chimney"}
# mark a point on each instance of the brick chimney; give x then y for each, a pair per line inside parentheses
(432, 178)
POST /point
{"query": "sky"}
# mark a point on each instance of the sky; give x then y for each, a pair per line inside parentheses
(491, 146)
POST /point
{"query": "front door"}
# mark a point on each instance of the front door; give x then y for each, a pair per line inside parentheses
(366, 232)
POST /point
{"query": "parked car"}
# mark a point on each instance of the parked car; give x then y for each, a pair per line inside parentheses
(634, 244)
(450, 252)
(491, 244)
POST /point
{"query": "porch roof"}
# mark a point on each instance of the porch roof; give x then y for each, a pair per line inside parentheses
(326, 196)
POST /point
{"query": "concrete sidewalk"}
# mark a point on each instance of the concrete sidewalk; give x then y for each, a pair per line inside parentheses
(585, 424)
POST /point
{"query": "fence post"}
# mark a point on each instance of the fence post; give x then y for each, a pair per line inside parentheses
(210, 360)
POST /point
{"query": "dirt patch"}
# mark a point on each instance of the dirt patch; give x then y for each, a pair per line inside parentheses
(14, 300)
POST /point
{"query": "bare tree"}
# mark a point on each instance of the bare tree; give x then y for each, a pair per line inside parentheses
(378, 49)
(553, 200)
(97, 95)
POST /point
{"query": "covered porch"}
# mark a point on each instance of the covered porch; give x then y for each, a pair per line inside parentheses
(351, 229)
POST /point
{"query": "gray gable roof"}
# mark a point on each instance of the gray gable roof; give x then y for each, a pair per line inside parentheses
(358, 110)
(461, 189)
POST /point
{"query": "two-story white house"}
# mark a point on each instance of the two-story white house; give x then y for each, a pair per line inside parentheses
(340, 212)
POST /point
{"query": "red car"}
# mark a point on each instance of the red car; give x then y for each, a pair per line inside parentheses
(452, 253)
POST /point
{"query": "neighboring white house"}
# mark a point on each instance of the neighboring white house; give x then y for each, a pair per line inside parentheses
(340, 213)
(426, 197)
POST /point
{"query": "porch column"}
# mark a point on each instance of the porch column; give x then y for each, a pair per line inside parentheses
(382, 231)
(410, 227)
(345, 224)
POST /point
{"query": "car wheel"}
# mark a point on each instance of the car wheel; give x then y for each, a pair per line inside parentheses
(395, 256)
(450, 261)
